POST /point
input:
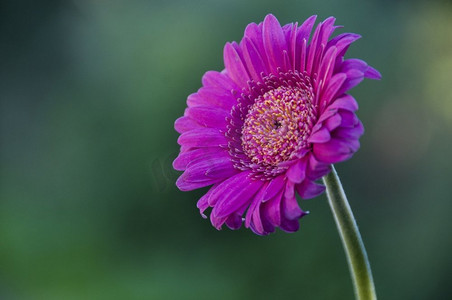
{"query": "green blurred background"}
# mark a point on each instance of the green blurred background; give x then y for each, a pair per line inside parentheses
(89, 210)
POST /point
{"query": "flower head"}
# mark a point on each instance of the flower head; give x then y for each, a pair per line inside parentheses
(270, 124)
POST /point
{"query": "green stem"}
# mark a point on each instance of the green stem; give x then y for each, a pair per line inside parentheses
(351, 238)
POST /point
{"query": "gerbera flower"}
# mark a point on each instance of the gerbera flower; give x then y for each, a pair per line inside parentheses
(271, 123)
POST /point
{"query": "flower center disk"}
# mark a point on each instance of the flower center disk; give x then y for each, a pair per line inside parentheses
(277, 125)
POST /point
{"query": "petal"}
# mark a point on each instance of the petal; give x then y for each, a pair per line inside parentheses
(239, 195)
(291, 209)
(208, 116)
(253, 60)
(253, 32)
(184, 158)
(334, 85)
(273, 188)
(333, 122)
(195, 100)
(218, 80)
(303, 33)
(260, 225)
(214, 165)
(296, 173)
(235, 66)
(255, 203)
(324, 116)
(346, 102)
(291, 39)
(215, 97)
(321, 136)
(335, 150)
(349, 119)
(316, 169)
(272, 209)
(187, 185)
(234, 221)
(256, 220)
(309, 189)
(290, 225)
(204, 168)
(353, 63)
(302, 59)
(327, 29)
(289, 190)
(342, 42)
(184, 124)
(266, 223)
(318, 43)
(274, 43)
(227, 187)
(372, 73)
(354, 77)
(202, 202)
(217, 222)
(349, 133)
(326, 68)
(206, 137)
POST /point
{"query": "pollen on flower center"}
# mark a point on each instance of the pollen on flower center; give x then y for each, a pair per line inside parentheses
(277, 125)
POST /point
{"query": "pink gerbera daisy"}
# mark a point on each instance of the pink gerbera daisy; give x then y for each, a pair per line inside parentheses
(271, 123)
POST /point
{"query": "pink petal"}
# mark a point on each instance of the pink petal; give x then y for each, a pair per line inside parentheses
(253, 32)
(326, 67)
(372, 73)
(291, 39)
(215, 97)
(206, 137)
(198, 169)
(318, 44)
(291, 209)
(253, 60)
(317, 169)
(335, 150)
(346, 102)
(349, 119)
(308, 189)
(255, 203)
(321, 136)
(334, 85)
(349, 133)
(184, 124)
(228, 187)
(296, 173)
(302, 59)
(274, 43)
(303, 33)
(343, 41)
(333, 122)
(208, 116)
(236, 197)
(186, 184)
(234, 221)
(290, 225)
(218, 80)
(235, 66)
(202, 202)
(184, 158)
(272, 209)
(273, 188)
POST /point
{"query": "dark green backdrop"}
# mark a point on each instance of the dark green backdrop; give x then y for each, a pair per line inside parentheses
(89, 210)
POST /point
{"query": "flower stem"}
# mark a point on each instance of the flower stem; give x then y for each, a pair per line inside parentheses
(351, 238)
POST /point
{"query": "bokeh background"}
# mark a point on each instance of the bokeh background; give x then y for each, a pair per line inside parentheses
(89, 210)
